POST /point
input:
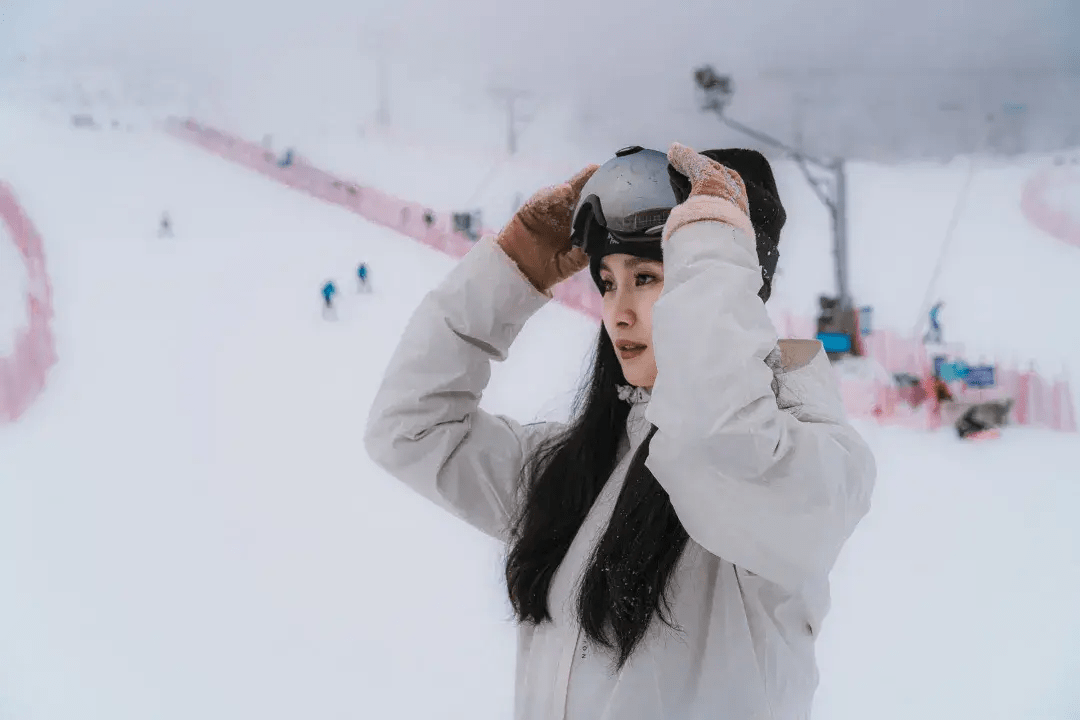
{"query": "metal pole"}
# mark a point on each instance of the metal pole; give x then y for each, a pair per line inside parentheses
(840, 228)
(718, 92)
(511, 96)
(834, 197)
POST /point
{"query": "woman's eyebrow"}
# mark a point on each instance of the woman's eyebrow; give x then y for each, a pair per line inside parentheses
(631, 263)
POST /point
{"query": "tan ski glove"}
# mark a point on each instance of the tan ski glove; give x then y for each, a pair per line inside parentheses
(537, 238)
(716, 192)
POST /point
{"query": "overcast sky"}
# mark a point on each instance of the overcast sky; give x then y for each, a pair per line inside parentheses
(630, 55)
(609, 38)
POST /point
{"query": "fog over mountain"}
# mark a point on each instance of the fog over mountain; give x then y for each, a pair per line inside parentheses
(874, 79)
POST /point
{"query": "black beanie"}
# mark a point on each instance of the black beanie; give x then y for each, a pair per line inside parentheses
(648, 249)
(767, 214)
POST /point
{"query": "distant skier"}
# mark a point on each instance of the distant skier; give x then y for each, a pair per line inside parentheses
(165, 226)
(286, 159)
(941, 390)
(933, 335)
(328, 292)
(362, 278)
(429, 218)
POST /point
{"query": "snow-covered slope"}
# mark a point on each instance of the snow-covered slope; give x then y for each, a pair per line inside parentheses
(189, 526)
(1008, 287)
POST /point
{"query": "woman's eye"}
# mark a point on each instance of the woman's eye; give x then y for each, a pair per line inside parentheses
(644, 278)
(606, 286)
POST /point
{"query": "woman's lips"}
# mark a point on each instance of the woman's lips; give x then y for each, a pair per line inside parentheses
(629, 353)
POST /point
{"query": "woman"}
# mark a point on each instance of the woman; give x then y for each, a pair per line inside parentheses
(669, 548)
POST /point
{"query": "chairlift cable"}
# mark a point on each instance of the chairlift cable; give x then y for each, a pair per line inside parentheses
(950, 233)
(484, 183)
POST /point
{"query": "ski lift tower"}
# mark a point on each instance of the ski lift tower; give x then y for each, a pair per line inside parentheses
(828, 179)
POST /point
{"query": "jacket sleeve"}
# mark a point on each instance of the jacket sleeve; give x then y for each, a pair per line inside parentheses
(425, 426)
(760, 464)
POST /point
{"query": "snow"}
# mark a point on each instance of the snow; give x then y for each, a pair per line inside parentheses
(190, 527)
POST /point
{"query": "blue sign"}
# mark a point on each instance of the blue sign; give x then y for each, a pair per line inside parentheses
(981, 376)
(835, 342)
(950, 371)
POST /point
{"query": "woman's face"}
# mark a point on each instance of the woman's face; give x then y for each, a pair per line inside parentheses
(630, 286)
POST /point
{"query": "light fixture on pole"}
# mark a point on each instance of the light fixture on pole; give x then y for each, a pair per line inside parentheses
(827, 177)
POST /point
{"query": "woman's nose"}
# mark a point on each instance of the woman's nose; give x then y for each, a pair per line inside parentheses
(624, 311)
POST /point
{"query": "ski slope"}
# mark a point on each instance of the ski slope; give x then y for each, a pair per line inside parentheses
(189, 526)
(1008, 286)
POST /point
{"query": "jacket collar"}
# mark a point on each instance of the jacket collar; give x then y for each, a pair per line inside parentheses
(637, 426)
(633, 395)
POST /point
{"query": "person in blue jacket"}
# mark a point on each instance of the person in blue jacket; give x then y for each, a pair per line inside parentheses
(328, 292)
(362, 278)
(933, 335)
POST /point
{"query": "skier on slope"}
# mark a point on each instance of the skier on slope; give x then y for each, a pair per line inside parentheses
(933, 335)
(678, 533)
(328, 292)
(362, 278)
(165, 226)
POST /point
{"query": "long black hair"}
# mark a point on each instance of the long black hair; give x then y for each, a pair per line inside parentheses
(625, 583)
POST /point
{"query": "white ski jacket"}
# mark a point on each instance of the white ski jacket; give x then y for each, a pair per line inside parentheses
(765, 473)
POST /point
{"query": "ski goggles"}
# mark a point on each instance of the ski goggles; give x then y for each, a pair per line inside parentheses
(629, 197)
